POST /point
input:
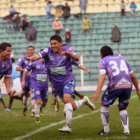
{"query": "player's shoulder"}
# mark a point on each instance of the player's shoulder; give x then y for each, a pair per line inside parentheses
(9, 61)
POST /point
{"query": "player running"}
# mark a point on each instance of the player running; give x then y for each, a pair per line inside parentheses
(59, 60)
(5, 67)
(121, 77)
(39, 85)
(21, 65)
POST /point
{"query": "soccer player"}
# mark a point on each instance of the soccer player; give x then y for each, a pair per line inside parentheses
(121, 77)
(5, 66)
(16, 85)
(21, 65)
(39, 85)
(59, 62)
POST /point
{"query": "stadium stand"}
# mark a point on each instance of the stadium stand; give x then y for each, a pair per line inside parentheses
(90, 44)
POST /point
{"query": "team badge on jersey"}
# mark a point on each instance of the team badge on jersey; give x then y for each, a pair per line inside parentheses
(37, 67)
(51, 57)
(26, 61)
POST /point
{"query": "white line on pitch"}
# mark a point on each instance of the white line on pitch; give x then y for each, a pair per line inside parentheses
(57, 123)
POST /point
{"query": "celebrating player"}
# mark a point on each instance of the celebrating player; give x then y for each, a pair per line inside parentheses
(5, 66)
(39, 85)
(21, 65)
(121, 77)
(59, 62)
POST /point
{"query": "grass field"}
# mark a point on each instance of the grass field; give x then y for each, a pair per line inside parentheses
(85, 125)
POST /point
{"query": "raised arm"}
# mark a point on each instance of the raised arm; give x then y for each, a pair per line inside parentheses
(83, 68)
(33, 58)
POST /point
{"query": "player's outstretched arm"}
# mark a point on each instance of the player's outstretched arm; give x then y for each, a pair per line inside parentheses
(83, 68)
(135, 82)
(33, 58)
(99, 88)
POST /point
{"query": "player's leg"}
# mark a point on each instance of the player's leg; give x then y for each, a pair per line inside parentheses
(108, 99)
(78, 94)
(37, 97)
(123, 103)
(44, 98)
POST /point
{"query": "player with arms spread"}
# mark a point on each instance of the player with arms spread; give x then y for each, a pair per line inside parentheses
(121, 77)
(59, 62)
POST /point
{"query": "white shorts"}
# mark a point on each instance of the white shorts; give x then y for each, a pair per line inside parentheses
(17, 86)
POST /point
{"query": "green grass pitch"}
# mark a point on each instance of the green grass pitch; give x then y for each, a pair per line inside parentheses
(13, 124)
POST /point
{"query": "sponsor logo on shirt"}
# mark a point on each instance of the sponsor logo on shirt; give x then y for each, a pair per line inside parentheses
(7, 67)
(58, 70)
(123, 83)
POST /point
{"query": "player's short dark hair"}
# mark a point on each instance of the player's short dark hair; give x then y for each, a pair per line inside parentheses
(31, 47)
(106, 51)
(13, 60)
(4, 45)
(56, 37)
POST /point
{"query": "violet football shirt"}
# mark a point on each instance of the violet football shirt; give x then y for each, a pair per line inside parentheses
(38, 78)
(59, 67)
(118, 71)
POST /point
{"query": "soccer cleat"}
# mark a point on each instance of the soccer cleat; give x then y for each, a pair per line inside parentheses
(126, 131)
(57, 107)
(89, 103)
(104, 133)
(7, 109)
(37, 121)
(65, 129)
(41, 114)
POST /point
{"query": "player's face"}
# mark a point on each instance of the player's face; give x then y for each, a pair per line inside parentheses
(56, 46)
(101, 55)
(30, 52)
(7, 52)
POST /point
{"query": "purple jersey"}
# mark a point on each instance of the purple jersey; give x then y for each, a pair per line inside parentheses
(6, 69)
(118, 71)
(23, 63)
(60, 67)
(38, 76)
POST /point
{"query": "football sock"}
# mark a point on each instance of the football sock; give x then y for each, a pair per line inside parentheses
(68, 110)
(16, 97)
(37, 111)
(41, 106)
(124, 118)
(10, 102)
(78, 94)
(105, 118)
(79, 103)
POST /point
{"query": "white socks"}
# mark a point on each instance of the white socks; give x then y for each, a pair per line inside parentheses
(125, 120)
(37, 110)
(69, 110)
(105, 118)
(79, 103)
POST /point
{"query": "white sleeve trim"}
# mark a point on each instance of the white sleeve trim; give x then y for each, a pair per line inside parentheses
(8, 75)
(102, 71)
(131, 72)
(40, 55)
